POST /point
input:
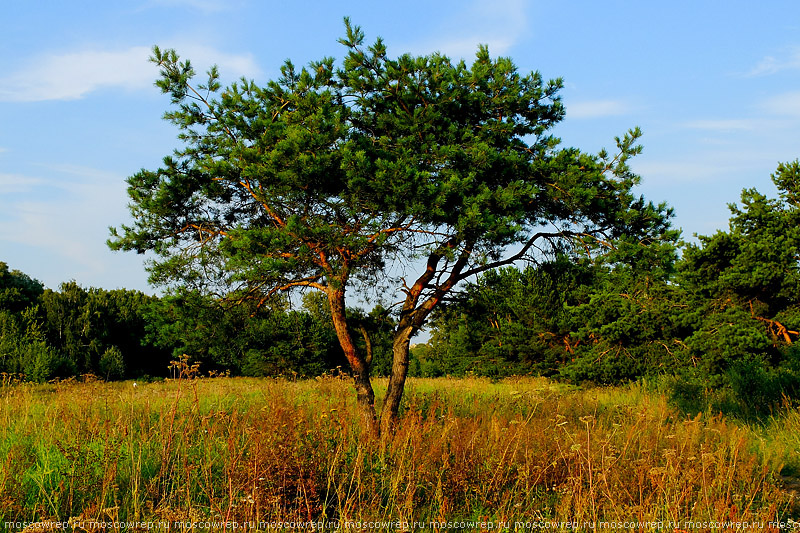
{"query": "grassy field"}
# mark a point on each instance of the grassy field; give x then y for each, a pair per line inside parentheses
(259, 450)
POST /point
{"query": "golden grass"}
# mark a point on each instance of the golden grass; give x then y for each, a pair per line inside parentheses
(241, 449)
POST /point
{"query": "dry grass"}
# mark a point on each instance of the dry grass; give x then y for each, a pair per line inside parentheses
(241, 449)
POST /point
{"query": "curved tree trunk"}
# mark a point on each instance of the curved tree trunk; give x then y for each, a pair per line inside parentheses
(367, 343)
(364, 392)
(397, 380)
(412, 317)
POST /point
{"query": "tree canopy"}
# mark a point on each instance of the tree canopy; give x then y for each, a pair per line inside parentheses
(17, 289)
(747, 280)
(721, 322)
(339, 177)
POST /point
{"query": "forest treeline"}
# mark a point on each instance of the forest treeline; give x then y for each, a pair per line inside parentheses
(720, 318)
(118, 334)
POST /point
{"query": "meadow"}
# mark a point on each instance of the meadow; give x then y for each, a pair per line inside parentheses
(259, 450)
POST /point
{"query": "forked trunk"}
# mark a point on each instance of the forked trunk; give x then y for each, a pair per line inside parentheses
(397, 379)
(365, 397)
(364, 394)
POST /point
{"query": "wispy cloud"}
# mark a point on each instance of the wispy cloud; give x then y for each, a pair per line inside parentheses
(772, 65)
(73, 75)
(15, 183)
(37, 224)
(682, 171)
(79, 177)
(205, 6)
(498, 24)
(85, 174)
(784, 105)
(465, 48)
(708, 166)
(720, 124)
(596, 109)
(87, 198)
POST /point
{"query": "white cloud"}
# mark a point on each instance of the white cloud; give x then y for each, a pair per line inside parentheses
(230, 65)
(206, 6)
(86, 174)
(681, 172)
(772, 65)
(58, 229)
(82, 177)
(498, 24)
(14, 183)
(39, 224)
(73, 75)
(465, 48)
(720, 125)
(596, 109)
(709, 166)
(68, 221)
(786, 104)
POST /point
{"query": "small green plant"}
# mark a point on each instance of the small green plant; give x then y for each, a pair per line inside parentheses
(112, 364)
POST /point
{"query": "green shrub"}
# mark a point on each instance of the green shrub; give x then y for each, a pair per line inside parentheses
(112, 364)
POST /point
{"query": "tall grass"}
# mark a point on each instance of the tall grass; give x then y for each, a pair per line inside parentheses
(241, 449)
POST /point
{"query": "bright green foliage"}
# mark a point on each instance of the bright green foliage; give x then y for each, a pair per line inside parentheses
(748, 279)
(24, 350)
(726, 326)
(743, 296)
(17, 290)
(513, 322)
(757, 259)
(331, 176)
(582, 320)
(118, 334)
(321, 174)
(46, 334)
(85, 323)
(112, 364)
(425, 362)
(246, 340)
(629, 326)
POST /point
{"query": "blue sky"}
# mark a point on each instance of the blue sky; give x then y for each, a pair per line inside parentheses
(714, 85)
